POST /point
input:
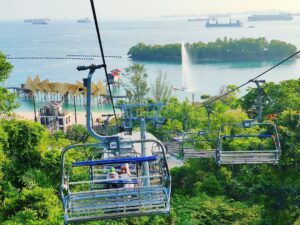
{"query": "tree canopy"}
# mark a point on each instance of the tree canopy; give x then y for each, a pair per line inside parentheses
(7, 100)
(202, 191)
(223, 50)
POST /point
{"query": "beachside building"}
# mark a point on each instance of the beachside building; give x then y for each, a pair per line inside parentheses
(52, 116)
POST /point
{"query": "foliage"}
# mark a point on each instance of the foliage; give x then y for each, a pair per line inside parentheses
(5, 68)
(33, 206)
(225, 49)
(7, 100)
(277, 98)
(202, 192)
(26, 146)
(161, 90)
(136, 86)
(206, 210)
(77, 133)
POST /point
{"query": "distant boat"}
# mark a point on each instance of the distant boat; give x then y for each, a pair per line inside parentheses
(210, 24)
(270, 17)
(251, 26)
(39, 21)
(197, 19)
(84, 20)
(28, 21)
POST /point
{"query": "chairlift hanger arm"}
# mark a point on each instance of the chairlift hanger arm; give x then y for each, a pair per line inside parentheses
(88, 84)
(103, 57)
(131, 142)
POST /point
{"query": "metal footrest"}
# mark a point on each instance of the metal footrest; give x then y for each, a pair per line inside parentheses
(190, 153)
(248, 157)
(114, 203)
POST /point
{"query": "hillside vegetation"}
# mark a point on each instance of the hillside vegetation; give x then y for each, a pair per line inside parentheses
(202, 192)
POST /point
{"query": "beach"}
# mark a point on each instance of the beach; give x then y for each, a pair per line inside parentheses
(81, 119)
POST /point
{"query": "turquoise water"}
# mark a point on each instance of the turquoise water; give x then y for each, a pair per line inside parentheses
(60, 38)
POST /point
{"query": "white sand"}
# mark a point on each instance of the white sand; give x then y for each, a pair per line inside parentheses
(81, 118)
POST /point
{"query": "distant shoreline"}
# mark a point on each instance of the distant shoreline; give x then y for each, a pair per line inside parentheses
(81, 119)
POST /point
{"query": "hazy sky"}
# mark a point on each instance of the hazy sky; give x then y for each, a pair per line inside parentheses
(20, 9)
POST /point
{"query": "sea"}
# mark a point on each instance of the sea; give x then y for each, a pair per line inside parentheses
(67, 37)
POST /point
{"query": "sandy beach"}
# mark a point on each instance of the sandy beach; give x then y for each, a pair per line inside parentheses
(81, 118)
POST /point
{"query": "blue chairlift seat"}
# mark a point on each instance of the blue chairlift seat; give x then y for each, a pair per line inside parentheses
(118, 160)
(247, 136)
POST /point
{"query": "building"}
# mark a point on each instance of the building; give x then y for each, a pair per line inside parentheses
(52, 116)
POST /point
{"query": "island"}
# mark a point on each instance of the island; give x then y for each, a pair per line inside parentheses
(221, 50)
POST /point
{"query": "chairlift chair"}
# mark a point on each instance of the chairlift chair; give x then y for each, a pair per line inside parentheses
(242, 156)
(149, 195)
(257, 156)
(113, 199)
(192, 152)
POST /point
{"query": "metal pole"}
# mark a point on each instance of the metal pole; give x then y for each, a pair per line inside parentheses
(34, 108)
(144, 153)
(259, 99)
(74, 98)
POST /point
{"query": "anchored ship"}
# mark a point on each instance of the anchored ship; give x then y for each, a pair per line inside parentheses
(28, 21)
(270, 17)
(39, 21)
(210, 24)
(84, 20)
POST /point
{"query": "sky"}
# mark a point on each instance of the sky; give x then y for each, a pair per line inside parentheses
(131, 9)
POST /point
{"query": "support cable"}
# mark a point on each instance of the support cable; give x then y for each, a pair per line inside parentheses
(103, 57)
(252, 80)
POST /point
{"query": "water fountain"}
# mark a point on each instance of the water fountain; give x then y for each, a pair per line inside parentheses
(186, 75)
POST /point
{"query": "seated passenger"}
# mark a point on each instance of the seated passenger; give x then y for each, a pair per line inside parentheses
(125, 175)
(112, 175)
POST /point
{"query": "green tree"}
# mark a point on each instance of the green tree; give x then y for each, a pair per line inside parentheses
(161, 90)
(27, 143)
(225, 49)
(136, 86)
(7, 100)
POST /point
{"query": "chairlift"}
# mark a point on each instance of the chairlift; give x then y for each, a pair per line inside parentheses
(201, 136)
(241, 156)
(143, 195)
(146, 192)
(246, 156)
(195, 138)
(104, 127)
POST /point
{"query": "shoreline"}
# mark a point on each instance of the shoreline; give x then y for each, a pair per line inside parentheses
(81, 116)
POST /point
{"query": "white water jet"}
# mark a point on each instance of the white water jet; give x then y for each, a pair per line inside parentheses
(186, 75)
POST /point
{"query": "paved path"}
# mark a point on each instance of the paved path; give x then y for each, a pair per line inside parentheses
(172, 160)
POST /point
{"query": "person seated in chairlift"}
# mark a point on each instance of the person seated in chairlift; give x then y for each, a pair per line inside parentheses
(125, 175)
(112, 175)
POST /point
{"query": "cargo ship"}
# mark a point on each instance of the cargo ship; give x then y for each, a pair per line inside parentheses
(28, 21)
(40, 21)
(210, 24)
(84, 20)
(270, 17)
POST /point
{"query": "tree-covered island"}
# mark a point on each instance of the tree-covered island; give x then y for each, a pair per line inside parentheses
(221, 50)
